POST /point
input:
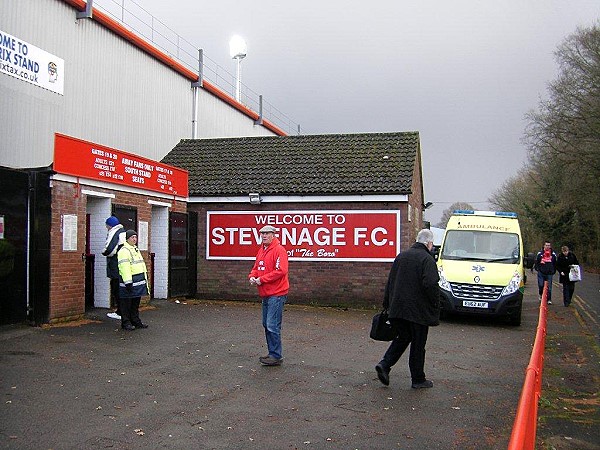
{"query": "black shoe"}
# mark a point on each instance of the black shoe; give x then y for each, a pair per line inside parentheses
(128, 327)
(383, 375)
(270, 361)
(424, 385)
(141, 325)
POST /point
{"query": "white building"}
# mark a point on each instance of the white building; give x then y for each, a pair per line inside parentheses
(71, 88)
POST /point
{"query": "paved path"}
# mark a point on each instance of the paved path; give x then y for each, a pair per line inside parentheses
(192, 380)
(569, 413)
(587, 300)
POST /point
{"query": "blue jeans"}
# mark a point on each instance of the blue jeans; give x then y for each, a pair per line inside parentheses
(541, 278)
(272, 313)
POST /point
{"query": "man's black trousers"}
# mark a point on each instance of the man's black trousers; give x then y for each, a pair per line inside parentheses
(114, 295)
(408, 333)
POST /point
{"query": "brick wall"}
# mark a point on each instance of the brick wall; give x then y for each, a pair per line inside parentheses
(67, 268)
(357, 284)
(416, 202)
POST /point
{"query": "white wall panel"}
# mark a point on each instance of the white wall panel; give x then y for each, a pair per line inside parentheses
(159, 237)
(214, 120)
(114, 94)
(99, 209)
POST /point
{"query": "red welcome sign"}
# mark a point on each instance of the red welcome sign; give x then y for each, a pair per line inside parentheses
(372, 236)
(88, 160)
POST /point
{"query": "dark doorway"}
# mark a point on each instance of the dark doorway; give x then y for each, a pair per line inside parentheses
(14, 191)
(90, 260)
(182, 254)
(127, 216)
(192, 253)
(40, 210)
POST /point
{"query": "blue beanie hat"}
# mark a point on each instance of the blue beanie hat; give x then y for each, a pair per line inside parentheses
(112, 221)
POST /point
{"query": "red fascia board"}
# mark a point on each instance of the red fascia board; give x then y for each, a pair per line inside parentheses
(120, 30)
(237, 105)
(274, 128)
(228, 99)
(113, 25)
(79, 4)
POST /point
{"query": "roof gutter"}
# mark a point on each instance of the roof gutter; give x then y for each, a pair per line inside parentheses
(145, 46)
(302, 198)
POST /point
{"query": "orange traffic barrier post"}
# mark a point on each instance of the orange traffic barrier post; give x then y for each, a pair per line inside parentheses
(525, 426)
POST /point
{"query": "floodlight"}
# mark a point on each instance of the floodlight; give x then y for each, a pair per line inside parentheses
(237, 47)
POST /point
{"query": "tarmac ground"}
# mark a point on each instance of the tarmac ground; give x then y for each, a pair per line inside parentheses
(192, 380)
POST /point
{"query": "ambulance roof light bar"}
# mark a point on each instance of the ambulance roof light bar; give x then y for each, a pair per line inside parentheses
(470, 212)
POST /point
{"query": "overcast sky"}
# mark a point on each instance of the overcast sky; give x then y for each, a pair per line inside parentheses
(463, 73)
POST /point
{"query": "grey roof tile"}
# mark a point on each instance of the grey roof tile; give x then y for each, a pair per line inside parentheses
(328, 164)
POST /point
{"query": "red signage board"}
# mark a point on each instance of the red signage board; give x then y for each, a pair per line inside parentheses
(88, 160)
(372, 236)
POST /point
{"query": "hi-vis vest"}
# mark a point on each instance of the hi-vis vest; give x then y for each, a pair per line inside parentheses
(132, 269)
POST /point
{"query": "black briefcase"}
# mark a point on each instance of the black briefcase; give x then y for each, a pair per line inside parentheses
(381, 328)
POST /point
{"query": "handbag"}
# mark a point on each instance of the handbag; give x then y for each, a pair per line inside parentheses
(575, 273)
(381, 328)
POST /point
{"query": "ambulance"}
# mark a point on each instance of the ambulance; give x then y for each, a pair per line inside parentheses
(480, 264)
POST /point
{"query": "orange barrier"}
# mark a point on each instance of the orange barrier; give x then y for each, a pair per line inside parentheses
(525, 425)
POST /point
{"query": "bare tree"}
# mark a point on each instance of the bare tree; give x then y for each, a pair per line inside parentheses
(448, 212)
(557, 194)
(566, 127)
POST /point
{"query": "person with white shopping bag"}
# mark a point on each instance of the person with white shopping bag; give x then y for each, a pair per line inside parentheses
(564, 262)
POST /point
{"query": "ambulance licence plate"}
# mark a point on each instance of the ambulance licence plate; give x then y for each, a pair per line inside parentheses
(472, 304)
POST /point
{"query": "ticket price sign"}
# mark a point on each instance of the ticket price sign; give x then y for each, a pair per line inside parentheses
(371, 236)
(88, 160)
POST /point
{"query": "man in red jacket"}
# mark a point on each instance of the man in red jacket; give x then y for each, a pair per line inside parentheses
(270, 275)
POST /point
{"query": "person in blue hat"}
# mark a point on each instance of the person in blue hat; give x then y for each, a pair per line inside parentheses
(115, 239)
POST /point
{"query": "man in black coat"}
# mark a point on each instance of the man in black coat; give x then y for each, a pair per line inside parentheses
(564, 261)
(412, 298)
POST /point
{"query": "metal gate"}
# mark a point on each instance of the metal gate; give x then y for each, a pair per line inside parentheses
(24, 222)
(14, 188)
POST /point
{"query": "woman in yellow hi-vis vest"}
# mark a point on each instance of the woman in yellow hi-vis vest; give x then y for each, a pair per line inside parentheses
(133, 282)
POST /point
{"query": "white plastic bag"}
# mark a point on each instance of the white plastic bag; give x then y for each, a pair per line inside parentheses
(575, 273)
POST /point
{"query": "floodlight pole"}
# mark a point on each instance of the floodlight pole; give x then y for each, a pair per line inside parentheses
(238, 81)
(238, 50)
